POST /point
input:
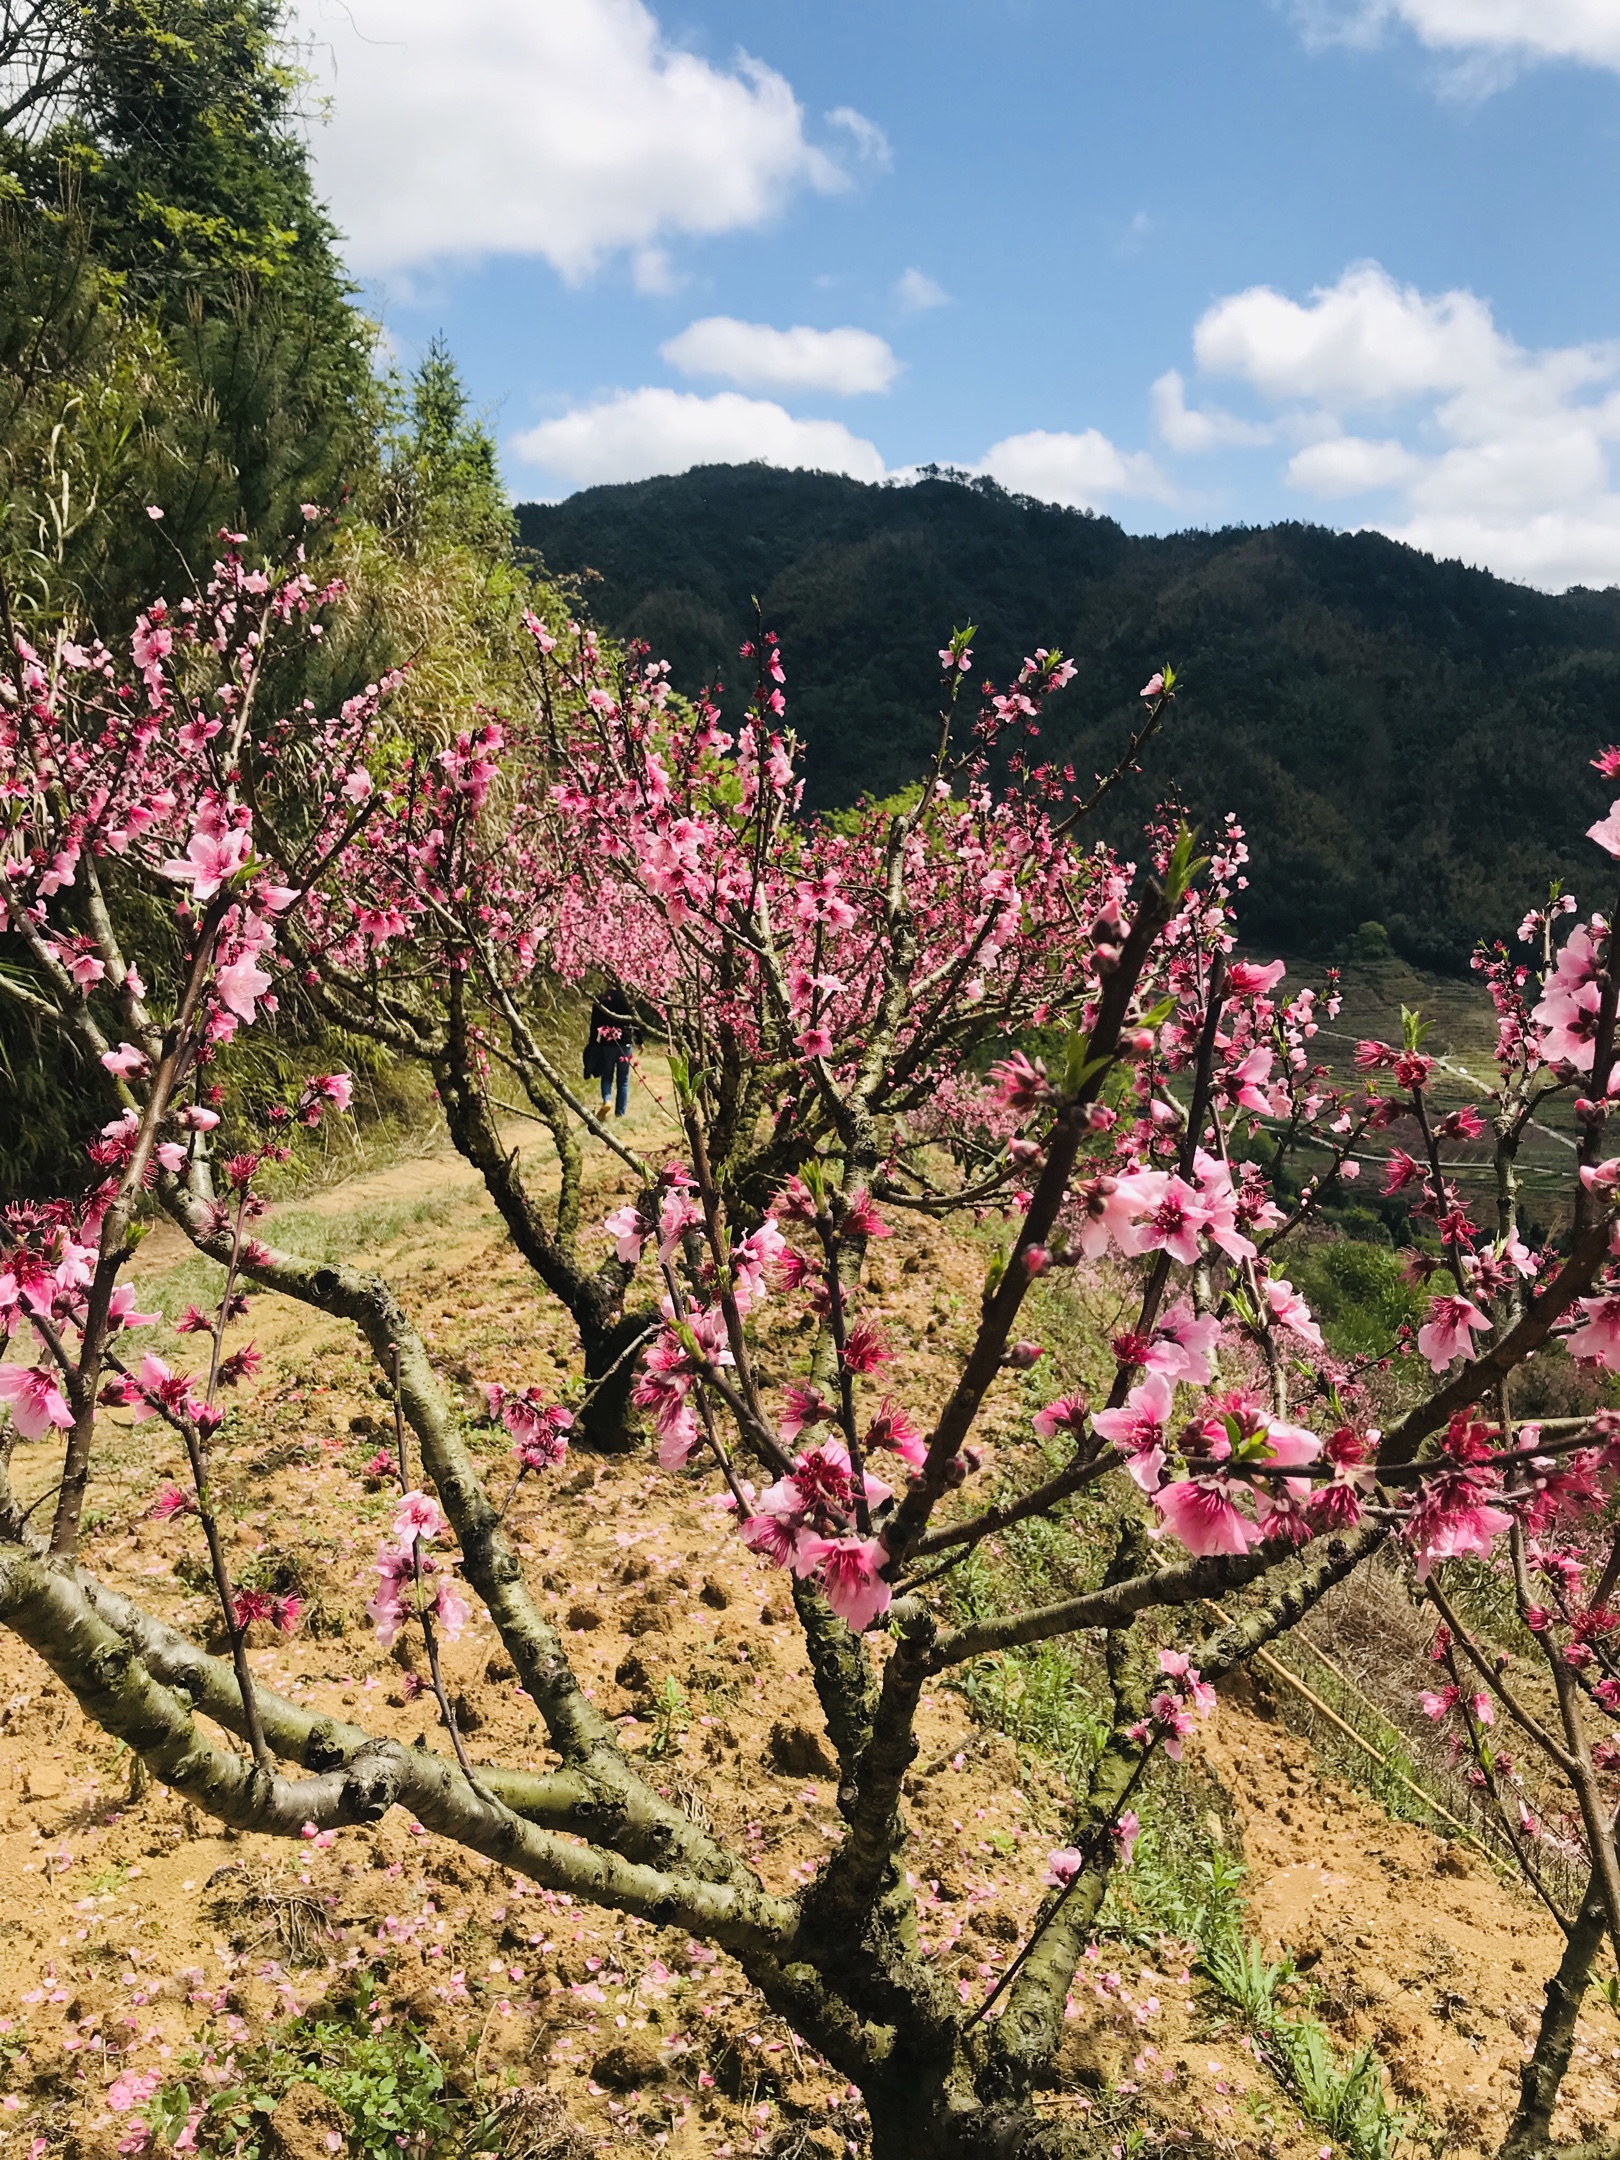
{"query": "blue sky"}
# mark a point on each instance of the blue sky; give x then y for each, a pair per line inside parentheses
(1187, 261)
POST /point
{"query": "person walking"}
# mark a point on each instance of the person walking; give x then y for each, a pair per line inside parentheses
(611, 1046)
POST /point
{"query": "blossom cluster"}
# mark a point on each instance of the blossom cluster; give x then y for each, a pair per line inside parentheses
(749, 917)
(413, 1582)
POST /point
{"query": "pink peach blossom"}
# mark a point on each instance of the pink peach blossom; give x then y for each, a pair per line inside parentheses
(1449, 1331)
(37, 1403)
(1202, 1516)
(849, 1574)
(1596, 1340)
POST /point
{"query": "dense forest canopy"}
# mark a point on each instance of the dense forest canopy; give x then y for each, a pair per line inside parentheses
(1402, 730)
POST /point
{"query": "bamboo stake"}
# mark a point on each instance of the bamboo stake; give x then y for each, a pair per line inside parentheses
(1264, 1657)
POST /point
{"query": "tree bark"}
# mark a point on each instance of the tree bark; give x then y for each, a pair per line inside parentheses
(593, 1297)
(1542, 2077)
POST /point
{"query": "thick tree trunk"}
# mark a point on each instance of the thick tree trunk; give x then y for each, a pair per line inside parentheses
(593, 1297)
(887, 2021)
(612, 1345)
(942, 2119)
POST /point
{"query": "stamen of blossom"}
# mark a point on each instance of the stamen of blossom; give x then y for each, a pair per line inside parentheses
(865, 1349)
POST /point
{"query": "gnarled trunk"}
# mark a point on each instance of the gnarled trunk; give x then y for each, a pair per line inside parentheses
(1530, 2134)
(609, 1336)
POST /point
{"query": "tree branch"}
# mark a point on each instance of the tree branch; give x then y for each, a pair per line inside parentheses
(1109, 1607)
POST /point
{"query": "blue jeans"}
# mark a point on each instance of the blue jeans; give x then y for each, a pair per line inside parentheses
(622, 1069)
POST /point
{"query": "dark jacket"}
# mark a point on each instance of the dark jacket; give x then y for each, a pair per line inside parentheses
(614, 1035)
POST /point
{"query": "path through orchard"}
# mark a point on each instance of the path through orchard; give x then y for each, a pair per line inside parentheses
(129, 1927)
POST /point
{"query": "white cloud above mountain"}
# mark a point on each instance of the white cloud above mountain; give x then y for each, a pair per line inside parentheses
(571, 131)
(1425, 418)
(1084, 470)
(1373, 402)
(847, 362)
(635, 433)
(1207, 427)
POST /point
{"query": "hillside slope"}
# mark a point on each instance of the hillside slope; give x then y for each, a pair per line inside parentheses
(1406, 740)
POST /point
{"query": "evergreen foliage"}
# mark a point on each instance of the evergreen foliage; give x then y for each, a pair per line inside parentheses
(175, 327)
(176, 330)
(443, 481)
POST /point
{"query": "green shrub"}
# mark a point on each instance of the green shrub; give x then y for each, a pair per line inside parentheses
(1369, 942)
(1359, 1294)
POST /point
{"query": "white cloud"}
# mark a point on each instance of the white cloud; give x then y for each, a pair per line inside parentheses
(847, 362)
(652, 272)
(1350, 465)
(632, 434)
(1364, 341)
(1505, 32)
(1207, 428)
(1082, 471)
(870, 144)
(636, 433)
(1481, 449)
(567, 129)
(916, 291)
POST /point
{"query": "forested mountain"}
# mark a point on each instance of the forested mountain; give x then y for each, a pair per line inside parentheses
(1406, 740)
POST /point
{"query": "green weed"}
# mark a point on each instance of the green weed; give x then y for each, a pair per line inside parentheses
(671, 1716)
(389, 2084)
(1168, 1891)
(1344, 2100)
(1031, 1695)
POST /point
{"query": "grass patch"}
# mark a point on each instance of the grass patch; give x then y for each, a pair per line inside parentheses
(313, 1234)
(1358, 1292)
(1342, 2098)
(391, 2091)
(389, 2085)
(1197, 1897)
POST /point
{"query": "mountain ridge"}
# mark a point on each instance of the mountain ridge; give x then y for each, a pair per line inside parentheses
(1407, 741)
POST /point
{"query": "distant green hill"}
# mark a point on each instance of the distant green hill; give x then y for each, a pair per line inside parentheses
(1406, 740)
